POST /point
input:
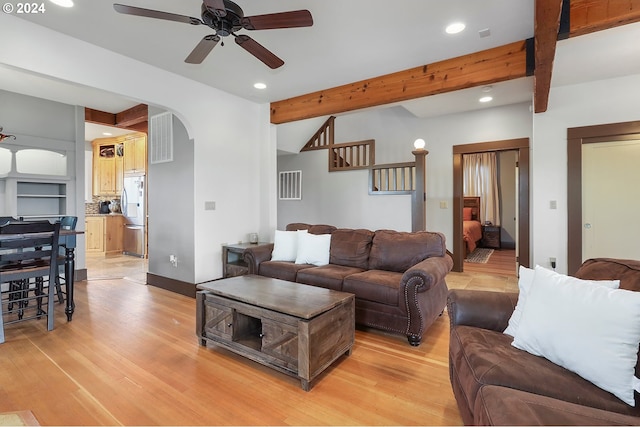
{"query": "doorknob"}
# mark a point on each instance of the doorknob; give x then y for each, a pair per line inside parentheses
(587, 225)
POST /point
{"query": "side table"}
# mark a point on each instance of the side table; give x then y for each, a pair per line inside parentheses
(232, 262)
(491, 236)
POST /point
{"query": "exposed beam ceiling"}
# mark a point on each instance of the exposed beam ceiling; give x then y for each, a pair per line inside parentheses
(134, 118)
(477, 69)
(480, 68)
(547, 26)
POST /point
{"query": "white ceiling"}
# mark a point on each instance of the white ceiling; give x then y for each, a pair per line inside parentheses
(350, 40)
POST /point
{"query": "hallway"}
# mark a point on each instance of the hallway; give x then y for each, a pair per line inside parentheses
(117, 267)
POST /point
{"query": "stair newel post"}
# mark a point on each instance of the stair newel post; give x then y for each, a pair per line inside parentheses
(419, 196)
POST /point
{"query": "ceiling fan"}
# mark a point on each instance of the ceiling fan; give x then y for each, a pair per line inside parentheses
(226, 18)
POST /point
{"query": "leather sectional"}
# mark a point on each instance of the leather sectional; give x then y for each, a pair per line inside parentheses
(398, 278)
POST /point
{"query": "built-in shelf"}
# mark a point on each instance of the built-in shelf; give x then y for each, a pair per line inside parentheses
(41, 199)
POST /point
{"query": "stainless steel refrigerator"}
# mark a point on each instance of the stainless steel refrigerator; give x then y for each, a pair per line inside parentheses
(133, 208)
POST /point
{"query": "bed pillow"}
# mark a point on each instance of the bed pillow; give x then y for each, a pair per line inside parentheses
(467, 214)
(285, 245)
(584, 327)
(525, 282)
(313, 249)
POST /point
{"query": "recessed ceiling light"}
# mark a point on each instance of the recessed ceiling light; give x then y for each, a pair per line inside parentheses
(487, 89)
(486, 99)
(63, 3)
(455, 28)
(107, 133)
(260, 86)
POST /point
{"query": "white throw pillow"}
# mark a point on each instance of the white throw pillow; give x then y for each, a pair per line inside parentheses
(525, 278)
(584, 327)
(285, 245)
(524, 284)
(313, 249)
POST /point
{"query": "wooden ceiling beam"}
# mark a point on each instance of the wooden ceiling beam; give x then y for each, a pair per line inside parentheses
(99, 117)
(546, 27)
(481, 68)
(135, 118)
(588, 16)
(477, 69)
(132, 116)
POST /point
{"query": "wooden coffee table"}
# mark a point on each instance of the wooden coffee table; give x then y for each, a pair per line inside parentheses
(297, 329)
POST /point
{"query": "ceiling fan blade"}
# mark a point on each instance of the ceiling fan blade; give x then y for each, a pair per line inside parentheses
(149, 13)
(271, 21)
(216, 6)
(203, 48)
(259, 51)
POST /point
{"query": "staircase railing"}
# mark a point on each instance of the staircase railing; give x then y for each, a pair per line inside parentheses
(323, 138)
(352, 155)
(392, 178)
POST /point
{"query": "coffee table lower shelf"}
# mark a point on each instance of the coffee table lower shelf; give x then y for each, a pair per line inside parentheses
(296, 346)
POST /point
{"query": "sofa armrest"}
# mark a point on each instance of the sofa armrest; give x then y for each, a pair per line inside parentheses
(256, 255)
(430, 271)
(482, 309)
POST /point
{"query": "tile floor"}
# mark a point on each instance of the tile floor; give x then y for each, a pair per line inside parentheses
(121, 266)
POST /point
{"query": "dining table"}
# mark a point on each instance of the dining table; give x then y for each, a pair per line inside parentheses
(67, 240)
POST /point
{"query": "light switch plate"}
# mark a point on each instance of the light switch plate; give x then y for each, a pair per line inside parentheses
(209, 206)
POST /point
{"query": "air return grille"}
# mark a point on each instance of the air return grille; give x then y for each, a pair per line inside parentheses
(290, 185)
(161, 138)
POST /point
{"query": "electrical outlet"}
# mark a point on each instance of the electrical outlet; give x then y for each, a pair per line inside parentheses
(173, 260)
(552, 261)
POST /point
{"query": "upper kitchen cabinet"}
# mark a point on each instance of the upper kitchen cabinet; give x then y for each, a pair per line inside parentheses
(135, 154)
(108, 156)
(115, 157)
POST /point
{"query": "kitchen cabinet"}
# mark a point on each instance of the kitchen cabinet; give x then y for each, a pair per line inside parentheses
(135, 154)
(107, 167)
(94, 233)
(104, 234)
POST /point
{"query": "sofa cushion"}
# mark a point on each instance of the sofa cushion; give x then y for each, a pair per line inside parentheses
(351, 247)
(398, 251)
(374, 285)
(282, 270)
(589, 329)
(505, 406)
(328, 276)
(483, 357)
(313, 229)
(285, 245)
(313, 248)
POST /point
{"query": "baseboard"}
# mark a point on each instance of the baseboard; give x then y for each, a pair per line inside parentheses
(80, 275)
(173, 285)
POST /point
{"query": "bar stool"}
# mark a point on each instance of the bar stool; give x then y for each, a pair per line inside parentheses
(27, 252)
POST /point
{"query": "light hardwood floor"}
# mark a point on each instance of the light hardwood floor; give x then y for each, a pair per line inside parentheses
(131, 357)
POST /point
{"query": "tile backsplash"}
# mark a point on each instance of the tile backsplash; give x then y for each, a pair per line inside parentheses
(94, 207)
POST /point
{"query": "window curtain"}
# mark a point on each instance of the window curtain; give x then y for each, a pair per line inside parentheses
(481, 180)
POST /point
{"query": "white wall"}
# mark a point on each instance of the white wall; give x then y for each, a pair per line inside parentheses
(601, 102)
(341, 198)
(227, 131)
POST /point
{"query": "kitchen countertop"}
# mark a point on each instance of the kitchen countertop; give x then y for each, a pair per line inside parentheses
(109, 214)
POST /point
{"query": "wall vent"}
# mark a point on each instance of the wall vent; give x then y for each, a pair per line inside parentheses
(161, 138)
(290, 185)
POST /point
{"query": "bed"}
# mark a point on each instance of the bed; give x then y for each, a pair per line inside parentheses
(471, 225)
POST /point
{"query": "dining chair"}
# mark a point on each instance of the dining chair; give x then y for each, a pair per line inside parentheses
(28, 264)
(66, 223)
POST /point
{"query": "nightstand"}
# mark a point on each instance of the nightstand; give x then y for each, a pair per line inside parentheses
(491, 236)
(232, 262)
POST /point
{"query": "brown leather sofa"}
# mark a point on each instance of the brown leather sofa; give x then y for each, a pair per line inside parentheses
(495, 383)
(398, 278)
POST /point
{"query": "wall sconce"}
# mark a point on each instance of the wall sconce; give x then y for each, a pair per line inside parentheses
(419, 144)
(3, 136)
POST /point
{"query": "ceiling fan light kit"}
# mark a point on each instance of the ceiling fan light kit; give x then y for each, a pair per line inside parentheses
(227, 18)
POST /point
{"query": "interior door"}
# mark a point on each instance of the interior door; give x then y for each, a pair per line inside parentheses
(610, 200)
